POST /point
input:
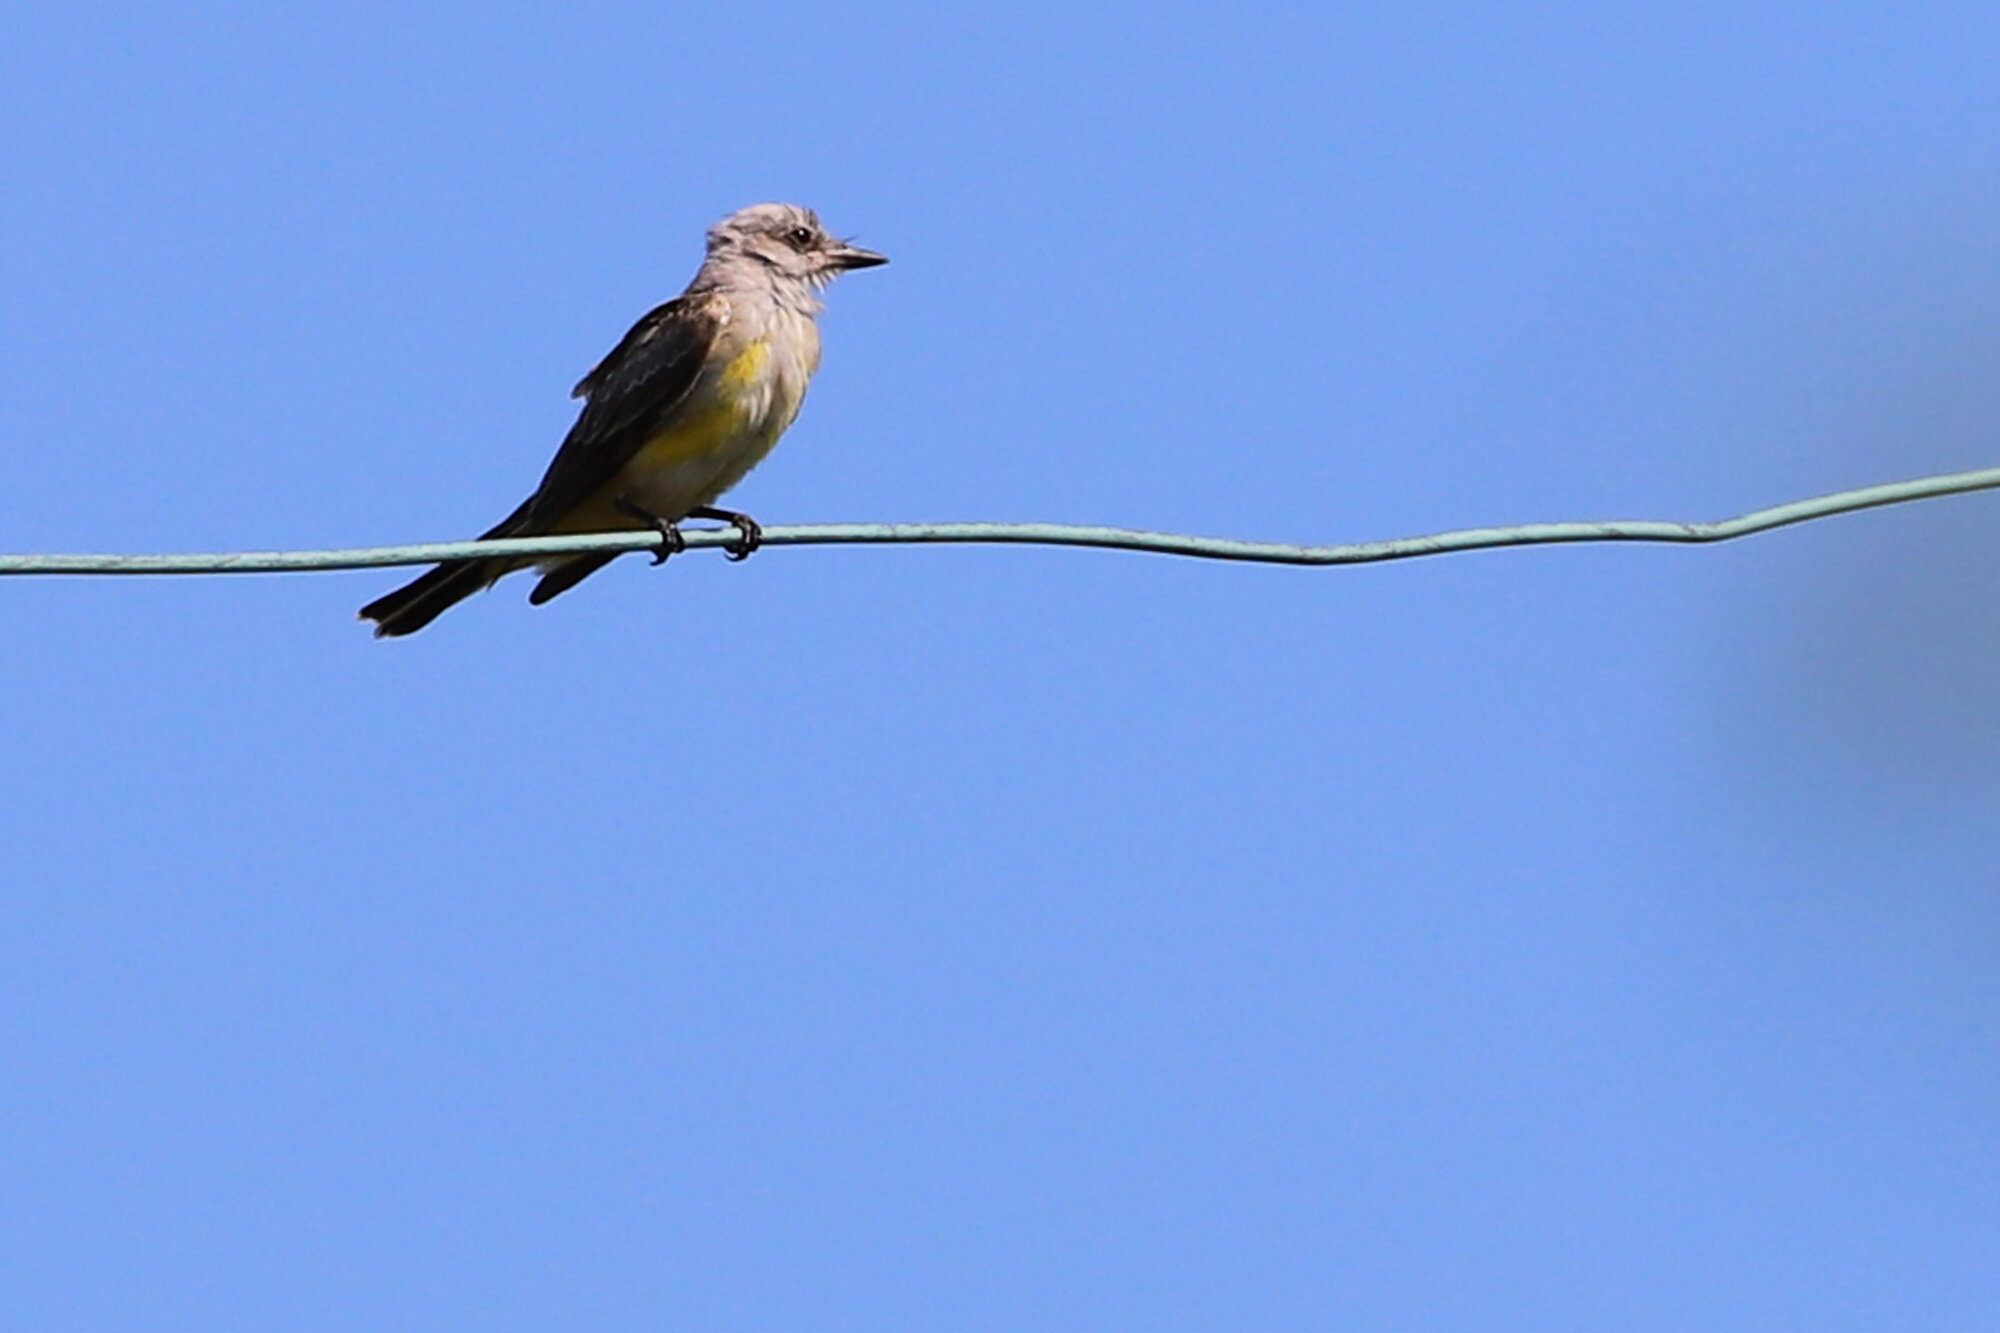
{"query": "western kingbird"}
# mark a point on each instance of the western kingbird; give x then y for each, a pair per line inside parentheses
(686, 404)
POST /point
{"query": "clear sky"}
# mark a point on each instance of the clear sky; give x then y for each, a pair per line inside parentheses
(1009, 939)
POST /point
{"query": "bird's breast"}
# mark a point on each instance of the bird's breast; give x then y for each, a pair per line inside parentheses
(726, 425)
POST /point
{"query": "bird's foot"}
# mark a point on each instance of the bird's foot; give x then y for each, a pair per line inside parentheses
(671, 541)
(752, 531)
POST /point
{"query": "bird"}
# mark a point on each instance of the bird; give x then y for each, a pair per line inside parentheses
(692, 398)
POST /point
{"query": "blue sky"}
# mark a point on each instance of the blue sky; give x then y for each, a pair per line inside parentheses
(965, 939)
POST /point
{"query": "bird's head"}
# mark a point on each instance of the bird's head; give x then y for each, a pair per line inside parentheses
(790, 241)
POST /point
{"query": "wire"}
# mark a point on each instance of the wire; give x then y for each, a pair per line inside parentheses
(1031, 534)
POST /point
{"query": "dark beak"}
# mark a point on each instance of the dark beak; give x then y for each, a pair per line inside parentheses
(845, 256)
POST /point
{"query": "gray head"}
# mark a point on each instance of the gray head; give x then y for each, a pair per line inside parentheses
(787, 241)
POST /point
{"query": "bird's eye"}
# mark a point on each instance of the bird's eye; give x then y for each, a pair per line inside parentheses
(800, 236)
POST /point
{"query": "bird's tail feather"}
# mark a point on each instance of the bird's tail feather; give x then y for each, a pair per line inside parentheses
(426, 597)
(418, 603)
(568, 574)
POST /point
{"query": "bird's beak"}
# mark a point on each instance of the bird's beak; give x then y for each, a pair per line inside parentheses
(845, 256)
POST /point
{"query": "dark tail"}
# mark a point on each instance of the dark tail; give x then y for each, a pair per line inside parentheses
(568, 574)
(417, 604)
(428, 596)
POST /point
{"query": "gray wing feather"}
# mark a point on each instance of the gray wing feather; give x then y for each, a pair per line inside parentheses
(625, 397)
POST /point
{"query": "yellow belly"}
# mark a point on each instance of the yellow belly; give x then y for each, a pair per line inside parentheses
(701, 454)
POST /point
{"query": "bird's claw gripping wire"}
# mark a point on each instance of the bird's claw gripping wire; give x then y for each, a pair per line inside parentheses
(671, 541)
(752, 531)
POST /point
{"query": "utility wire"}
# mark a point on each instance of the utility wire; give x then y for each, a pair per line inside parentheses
(1031, 534)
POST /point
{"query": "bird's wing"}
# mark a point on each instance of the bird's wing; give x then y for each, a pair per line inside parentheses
(643, 379)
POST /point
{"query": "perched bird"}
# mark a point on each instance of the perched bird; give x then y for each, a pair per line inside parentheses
(686, 404)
